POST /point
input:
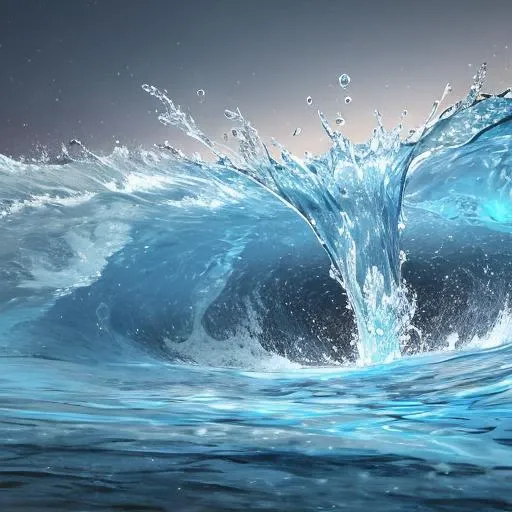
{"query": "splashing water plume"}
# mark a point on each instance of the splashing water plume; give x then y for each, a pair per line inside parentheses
(170, 335)
(352, 196)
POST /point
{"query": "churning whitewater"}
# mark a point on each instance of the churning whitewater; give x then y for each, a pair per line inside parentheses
(219, 334)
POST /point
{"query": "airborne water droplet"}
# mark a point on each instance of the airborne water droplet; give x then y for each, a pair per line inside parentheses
(226, 137)
(348, 100)
(200, 92)
(234, 132)
(404, 113)
(344, 80)
(340, 121)
(297, 131)
(309, 100)
(229, 114)
(447, 90)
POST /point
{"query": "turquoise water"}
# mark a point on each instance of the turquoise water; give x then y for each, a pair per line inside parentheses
(262, 332)
(428, 433)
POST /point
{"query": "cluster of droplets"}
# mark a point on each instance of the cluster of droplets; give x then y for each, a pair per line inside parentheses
(344, 81)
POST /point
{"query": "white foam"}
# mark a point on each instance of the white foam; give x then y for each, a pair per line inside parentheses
(39, 201)
(499, 334)
(138, 182)
(242, 350)
(90, 256)
(196, 202)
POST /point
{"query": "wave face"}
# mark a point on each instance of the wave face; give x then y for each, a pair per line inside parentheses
(211, 334)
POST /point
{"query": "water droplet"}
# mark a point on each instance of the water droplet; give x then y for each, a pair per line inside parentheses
(379, 332)
(234, 132)
(229, 114)
(297, 131)
(340, 121)
(344, 80)
(309, 100)
(404, 113)
(226, 137)
(200, 92)
(348, 100)
(447, 90)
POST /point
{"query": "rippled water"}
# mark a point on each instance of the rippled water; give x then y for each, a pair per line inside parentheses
(171, 338)
(428, 433)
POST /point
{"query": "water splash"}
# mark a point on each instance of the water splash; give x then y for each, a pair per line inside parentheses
(122, 274)
(351, 197)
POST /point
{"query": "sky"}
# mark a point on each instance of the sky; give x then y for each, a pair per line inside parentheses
(74, 69)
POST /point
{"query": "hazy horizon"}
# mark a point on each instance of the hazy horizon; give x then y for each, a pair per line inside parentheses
(76, 69)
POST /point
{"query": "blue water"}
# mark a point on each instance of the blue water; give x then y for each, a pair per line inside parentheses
(172, 338)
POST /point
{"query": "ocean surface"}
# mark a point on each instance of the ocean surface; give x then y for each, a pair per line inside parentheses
(261, 331)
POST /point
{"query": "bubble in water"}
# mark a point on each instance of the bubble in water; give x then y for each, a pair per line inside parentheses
(340, 121)
(103, 316)
(309, 100)
(297, 131)
(348, 100)
(344, 80)
(200, 93)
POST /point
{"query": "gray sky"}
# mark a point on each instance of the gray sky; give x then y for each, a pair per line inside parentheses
(75, 68)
